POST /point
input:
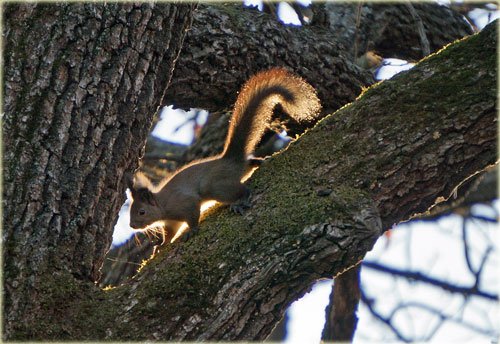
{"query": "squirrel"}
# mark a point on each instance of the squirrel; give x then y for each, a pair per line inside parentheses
(178, 198)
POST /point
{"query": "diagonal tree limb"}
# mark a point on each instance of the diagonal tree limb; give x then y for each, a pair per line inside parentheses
(317, 209)
(395, 150)
(385, 28)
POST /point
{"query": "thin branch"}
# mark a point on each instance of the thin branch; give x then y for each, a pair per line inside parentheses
(466, 246)
(438, 312)
(476, 273)
(356, 32)
(483, 218)
(417, 276)
(387, 321)
(481, 266)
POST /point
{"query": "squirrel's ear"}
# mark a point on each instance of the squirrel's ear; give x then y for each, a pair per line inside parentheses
(129, 180)
(147, 196)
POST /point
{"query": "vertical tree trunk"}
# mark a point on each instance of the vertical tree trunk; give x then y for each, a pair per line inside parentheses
(82, 83)
(341, 319)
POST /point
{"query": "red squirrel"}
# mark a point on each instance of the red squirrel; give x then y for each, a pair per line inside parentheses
(178, 197)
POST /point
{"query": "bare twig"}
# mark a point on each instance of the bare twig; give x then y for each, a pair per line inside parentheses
(386, 320)
(418, 276)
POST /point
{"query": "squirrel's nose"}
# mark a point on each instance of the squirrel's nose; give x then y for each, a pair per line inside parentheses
(134, 225)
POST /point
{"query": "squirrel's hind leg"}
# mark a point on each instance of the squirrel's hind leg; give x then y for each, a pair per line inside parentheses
(243, 202)
(232, 192)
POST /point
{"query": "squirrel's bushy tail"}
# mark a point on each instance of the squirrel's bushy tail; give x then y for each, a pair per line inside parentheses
(255, 104)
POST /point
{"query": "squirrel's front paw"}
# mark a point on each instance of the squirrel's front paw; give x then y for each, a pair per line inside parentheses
(189, 234)
(240, 207)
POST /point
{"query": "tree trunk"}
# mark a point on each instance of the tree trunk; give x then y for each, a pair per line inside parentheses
(315, 212)
(82, 84)
(341, 319)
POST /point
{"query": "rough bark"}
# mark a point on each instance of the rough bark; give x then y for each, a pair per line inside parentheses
(402, 30)
(82, 84)
(400, 146)
(315, 211)
(226, 38)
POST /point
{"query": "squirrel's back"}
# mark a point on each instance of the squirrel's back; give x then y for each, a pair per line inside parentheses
(255, 104)
(178, 198)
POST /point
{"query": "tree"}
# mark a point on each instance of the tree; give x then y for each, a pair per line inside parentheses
(82, 84)
(462, 244)
(102, 71)
(326, 54)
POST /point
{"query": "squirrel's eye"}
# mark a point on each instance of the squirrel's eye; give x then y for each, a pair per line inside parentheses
(142, 212)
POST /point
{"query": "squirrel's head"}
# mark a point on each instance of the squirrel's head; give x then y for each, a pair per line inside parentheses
(144, 209)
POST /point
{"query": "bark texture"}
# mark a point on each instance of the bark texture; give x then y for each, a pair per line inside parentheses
(82, 84)
(228, 44)
(317, 208)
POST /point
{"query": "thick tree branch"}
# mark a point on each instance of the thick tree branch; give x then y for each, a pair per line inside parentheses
(317, 209)
(228, 37)
(401, 145)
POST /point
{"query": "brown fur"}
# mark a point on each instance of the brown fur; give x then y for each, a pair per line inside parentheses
(218, 178)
